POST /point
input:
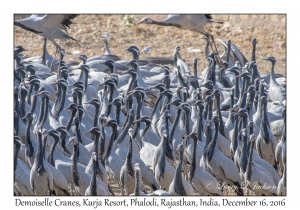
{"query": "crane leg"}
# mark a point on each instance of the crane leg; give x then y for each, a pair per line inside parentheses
(213, 46)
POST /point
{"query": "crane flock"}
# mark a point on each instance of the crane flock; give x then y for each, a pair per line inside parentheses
(101, 125)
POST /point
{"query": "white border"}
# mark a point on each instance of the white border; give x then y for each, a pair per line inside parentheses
(147, 6)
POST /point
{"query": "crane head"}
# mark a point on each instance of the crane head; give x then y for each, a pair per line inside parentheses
(145, 20)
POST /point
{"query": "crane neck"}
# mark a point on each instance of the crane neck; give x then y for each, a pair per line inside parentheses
(208, 136)
(29, 91)
(60, 100)
(41, 114)
(237, 92)
(253, 58)
(181, 82)
(137, 183)
(221, 124)
(96, 116)
(16, 152)
(205, 111)
(44, 52)
(161, 162)
(70, 120)
(107, 50)
(148, 124)
(193, 164)
(132, 82)
(16, 124)
(249, 162)
(128, 163)
(137, 124)
(39, 157)
(284, 174)
(187, 122)
(75, 175)
(244, 154)
(93, 183)
(178, 185)
(52, 149)
(209, 151)
(243, 94)
(155, 109)
(210, 111)
(128, 107)
(21, 97)
(117, 113)
(110, 98)
(235, 134)
(211, 72)
(195, 69)
(199, 123)
(96, 142)
(33, 104)
(79, 98)
(63, 143)
(272, 76)
(46, 112)
(228, 52)
(254, 74)
(283, 137)
(166, 101)
(123, 134)
(102, 143)
(249, 105)
(255, 102)
(110, 144)
(231, 106)
(28, 142)
(264, 129)
(77, 131)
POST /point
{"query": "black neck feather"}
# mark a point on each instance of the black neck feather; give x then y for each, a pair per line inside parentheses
(178, 185)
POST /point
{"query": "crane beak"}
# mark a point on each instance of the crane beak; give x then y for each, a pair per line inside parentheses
(167, 104)
(89, 131)
(178, 107)
(37, 94)
(124, 72)
(141, 22)
(103, 125)
(139, 120)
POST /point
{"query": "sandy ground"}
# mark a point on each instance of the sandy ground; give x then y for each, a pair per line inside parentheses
(268, 30)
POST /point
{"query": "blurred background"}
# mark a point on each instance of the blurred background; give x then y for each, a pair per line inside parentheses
(268, 29)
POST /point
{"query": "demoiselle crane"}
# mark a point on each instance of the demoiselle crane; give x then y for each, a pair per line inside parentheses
(50, 26)
(186, 22)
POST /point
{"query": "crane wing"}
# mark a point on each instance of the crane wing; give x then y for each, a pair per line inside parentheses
(54, 20)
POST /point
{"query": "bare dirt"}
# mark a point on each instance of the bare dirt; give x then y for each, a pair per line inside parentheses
(269, 30)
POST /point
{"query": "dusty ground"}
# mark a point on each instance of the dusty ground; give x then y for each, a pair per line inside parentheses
(269, 30)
